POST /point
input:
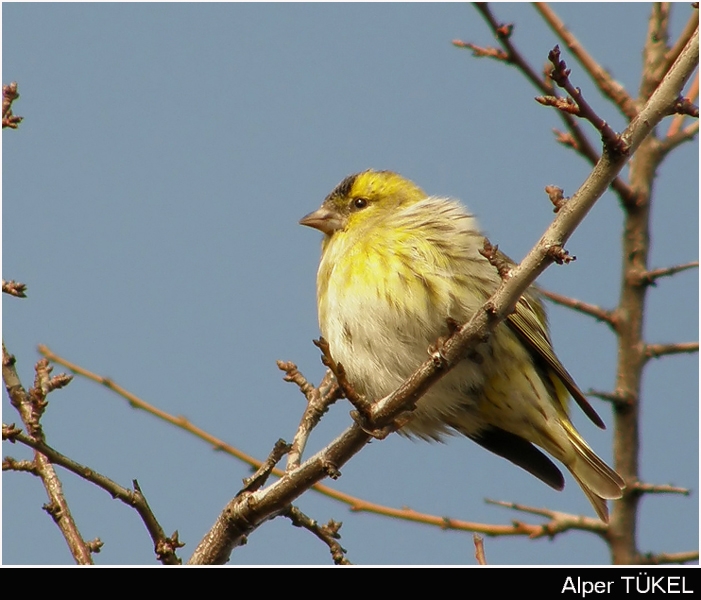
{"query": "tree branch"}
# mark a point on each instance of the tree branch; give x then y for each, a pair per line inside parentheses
(668, 558)
(165, 546)
(580, 141)
(326, 533)
(600, 314)
(658, 350)
(607, 84)
(635, 256)
(559, 521)
(30, 406)
(479, 549)
(649, 488)
(651, 277)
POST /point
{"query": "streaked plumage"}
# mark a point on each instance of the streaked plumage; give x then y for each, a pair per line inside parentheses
(395, 265)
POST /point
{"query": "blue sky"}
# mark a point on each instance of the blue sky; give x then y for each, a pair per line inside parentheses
(150, 203)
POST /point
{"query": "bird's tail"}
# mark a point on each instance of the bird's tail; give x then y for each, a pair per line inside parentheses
(598, 481)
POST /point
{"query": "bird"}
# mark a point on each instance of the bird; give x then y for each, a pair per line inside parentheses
(397, 266)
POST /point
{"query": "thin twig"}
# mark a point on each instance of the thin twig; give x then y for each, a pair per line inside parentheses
(361, 404)
(607, 84)
(672, 558)
(649, 488)
(355, 504)
(318, 402)
(10, 464)
(617, 399)
(479, 549)
(497, 259)
(30, 405)
(481, 52)
(326, 533)
(581, 143)
(681, 42)
(134, 498)
(258, 479)
(558, 523)
(658, 350)
(600, 314)
(561, 76)
(687, 134)
(650, 277)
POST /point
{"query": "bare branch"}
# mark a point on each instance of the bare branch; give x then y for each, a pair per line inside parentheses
(496, 259)
(480, 52)
(672, 141)
(658, 350)
(649, 488)
(600, 314)
(479, 549)
(615, 398)
(668, 558)
(651, 277)
(608, 86)
(136, 402)
(580, 141)
(566, 139)
(360, 505)
(559, 521)
(491, 530)
(566, 105)
(10, 464)
(318, 401)
(655, 66)
(255, 482)
(356, 504)
(683, 40)
(560, 75)
(360, 403)
(30, 405)
(135, 498)
(513, 56)
(326, 533)
(631, 306)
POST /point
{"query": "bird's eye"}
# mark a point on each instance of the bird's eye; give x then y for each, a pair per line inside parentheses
(359, 203)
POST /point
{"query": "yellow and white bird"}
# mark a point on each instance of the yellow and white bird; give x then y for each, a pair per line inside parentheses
(396, 265)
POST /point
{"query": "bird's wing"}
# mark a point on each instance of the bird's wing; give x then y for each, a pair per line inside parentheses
(525, 322)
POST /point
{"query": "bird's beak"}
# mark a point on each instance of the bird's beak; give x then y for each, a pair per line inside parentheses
(324, 220)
